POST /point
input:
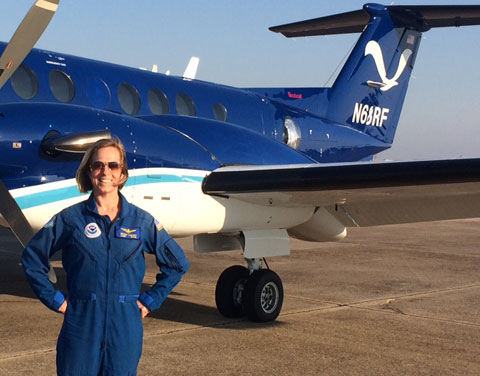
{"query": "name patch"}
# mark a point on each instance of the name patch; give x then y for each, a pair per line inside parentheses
(127, 233)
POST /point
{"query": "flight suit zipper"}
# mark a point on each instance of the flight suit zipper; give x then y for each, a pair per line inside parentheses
(107, 233)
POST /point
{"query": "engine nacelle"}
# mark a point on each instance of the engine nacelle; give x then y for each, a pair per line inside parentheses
(322, 227)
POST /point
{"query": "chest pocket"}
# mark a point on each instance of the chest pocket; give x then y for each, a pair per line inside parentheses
(127, 250)
(81, 258)
(130, 265)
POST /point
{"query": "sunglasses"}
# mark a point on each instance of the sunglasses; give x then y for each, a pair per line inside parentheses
(112, 166)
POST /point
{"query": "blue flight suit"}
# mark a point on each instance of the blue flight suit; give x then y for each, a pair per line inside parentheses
(102, 332)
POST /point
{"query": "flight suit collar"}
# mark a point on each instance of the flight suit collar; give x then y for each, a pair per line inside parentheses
(91, 206)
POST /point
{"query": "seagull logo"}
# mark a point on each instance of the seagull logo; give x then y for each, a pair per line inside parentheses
(374, 49)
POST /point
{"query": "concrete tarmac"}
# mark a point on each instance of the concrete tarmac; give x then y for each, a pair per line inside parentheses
(392, 300)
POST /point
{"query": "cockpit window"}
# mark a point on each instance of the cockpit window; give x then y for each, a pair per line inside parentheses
(24, 82)
(129, 98)
(62, 86)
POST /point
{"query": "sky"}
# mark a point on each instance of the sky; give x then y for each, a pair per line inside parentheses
(440, 117)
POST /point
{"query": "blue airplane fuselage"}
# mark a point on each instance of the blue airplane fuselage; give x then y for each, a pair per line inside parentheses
(164, 121)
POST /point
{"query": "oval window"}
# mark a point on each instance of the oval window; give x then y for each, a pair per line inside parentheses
(98, 93)
(291, 133)
(24, 82)
(158, 102)
(220, 112)
(185, 105)
(129, 98)
(62, 86)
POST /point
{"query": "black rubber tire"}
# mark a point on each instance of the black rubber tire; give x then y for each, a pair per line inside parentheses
(263, 296)
(229, 291)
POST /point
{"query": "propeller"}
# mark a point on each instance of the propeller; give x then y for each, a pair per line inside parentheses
(19, 225)
(25, 37)
(22, 42)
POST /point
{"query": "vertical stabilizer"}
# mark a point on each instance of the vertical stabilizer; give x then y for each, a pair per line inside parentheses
(369, 92)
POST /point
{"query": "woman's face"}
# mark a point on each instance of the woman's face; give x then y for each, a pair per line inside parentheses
(106, 170)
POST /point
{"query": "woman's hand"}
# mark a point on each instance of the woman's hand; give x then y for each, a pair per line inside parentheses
(63, 307)
(144, 311)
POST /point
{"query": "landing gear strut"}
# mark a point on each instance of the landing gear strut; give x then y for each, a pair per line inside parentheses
(254, 292)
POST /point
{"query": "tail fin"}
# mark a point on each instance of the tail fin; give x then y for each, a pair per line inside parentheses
(369, 92)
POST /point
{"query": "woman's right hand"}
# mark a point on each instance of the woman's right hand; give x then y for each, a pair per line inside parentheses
(63, 307)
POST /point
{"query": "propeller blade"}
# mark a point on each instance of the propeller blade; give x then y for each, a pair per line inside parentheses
(19, 225)
(25, 37)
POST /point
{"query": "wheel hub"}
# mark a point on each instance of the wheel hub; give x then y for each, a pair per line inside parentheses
(238, 291)
(269, 297)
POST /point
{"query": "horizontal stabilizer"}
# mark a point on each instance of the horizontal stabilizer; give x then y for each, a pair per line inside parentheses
(420, 18)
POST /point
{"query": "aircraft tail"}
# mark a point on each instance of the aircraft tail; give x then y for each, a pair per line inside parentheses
(369, 92)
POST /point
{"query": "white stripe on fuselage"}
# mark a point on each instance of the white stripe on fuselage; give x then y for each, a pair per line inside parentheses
(173, 196)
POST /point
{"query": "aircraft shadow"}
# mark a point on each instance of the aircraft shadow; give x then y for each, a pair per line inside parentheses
(13, 282)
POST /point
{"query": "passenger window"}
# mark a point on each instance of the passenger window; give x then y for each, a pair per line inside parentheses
(220, 112)
(98, 93)
(62, 86)
(129, 98)
(185, 105)
(158, 102)
(24, 82)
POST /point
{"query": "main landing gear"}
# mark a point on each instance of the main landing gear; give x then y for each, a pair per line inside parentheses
(253, 292)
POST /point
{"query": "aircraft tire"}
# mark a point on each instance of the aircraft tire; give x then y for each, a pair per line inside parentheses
(263, 296)
(229, 291)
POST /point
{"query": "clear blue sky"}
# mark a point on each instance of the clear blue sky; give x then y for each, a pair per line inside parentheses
(441, 115)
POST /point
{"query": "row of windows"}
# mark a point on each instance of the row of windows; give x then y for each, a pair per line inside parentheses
(25, 84)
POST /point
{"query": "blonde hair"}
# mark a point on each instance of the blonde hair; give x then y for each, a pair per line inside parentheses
(83, 178)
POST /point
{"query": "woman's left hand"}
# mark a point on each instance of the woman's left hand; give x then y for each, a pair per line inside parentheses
(144, 311)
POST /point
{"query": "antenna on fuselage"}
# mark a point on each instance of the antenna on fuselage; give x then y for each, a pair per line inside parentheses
(154, 68)
(25, 37)
(192, 68)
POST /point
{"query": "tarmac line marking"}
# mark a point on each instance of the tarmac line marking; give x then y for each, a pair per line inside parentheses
(389, 310)
(386, 298)
(428, 318)
(27, 353)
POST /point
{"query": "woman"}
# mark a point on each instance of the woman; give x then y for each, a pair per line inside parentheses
(102, 241)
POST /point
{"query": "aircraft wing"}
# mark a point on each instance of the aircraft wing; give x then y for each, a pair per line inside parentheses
(366, 194)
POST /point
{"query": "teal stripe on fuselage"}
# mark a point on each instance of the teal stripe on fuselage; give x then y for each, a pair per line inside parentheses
(59, 194)
(47, 197)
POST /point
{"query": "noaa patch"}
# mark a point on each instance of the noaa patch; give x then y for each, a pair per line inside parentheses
(127, 233)
(92, 230)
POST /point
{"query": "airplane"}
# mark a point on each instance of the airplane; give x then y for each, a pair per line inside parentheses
(236, 168)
